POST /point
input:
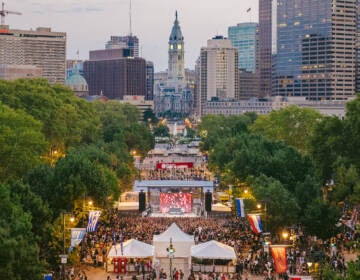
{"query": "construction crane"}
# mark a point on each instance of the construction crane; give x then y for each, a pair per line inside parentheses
(4, 13)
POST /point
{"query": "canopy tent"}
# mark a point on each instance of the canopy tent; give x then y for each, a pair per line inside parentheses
(213, 250)
(219, 207)
(181, 242)
(132, 249)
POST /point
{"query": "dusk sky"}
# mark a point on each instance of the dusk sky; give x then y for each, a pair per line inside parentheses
(90, 23)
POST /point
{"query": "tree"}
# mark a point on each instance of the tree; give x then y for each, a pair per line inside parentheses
(161, 131)
(292, 125)
(19, 253)
(282, 207)
(21, 143)
(327, 146)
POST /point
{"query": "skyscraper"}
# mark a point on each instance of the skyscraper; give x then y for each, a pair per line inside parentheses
(316, 49)
(176, 63)
(111, 74)
(219, 71)
(124, 42)
(243, 36)
(264, 47)
(41, 48)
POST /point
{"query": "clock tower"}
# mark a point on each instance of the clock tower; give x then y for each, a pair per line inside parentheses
(176, 69)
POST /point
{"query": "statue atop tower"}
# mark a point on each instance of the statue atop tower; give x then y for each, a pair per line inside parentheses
(176, 67)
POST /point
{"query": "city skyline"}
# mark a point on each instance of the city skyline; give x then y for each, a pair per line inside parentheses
(83, 21)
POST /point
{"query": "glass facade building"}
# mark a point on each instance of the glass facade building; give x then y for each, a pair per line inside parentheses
(316, 49)
(243, 37)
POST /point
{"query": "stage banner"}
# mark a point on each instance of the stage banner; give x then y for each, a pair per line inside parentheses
(174, 165)
(278, 253)
(77, 235)
(240, 207)
(93, 219)
(255, 223)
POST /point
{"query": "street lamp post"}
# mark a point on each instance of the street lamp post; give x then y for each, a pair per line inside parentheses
(171, 251)
(64, 256)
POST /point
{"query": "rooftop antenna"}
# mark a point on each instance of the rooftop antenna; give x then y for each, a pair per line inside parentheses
(130, 23)
(4, 13)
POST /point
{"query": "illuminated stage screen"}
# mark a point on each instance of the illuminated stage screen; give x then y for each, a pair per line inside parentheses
(175, 200)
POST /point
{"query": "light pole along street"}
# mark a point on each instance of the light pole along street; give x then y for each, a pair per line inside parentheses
(171, 253)
(64, 256)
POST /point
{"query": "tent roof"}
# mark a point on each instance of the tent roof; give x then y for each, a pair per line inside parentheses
(220, 207)
(132, 249)
(213, 250)
(175, 233)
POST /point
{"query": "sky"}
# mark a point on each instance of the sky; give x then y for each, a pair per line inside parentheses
(90, 23)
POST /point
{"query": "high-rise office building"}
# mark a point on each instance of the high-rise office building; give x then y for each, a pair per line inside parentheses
(218, 72)
(149, 81)
(176, 63)
(264, 47)
(243, 36)
(115, 76)
(41, 48)
(124, 42)
(316, 51)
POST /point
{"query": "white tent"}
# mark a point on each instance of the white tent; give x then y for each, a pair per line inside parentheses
(181, 241)
(213, 250)
(132, 249)
(218, 207)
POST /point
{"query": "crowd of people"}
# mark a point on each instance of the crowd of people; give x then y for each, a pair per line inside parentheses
(253, 258)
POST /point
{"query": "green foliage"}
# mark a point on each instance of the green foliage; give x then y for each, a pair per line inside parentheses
(67, 120)
(214, 129)
(292, 125)
(282, 207)
(19, 253)
(161, 130)
(21, 142)
(327, 146)
(320, 218)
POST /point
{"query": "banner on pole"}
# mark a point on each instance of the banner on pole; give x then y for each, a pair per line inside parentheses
(255, 223)
(77, 235)
(278, 253)
(93, 219)
(240, 207)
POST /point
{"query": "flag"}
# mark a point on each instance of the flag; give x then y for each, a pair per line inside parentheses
(248, 10)
(255, 223)
(352, 222)
(77, 235)
(278, 253)
(240, 207)
(93, 219)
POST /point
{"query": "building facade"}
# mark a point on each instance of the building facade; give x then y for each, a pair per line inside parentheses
(149, 81)
(218, 72)
(244, 37)
(124, 42)
(41, 48)
(115, 78)
(316, 52)
(176, 61)
(264, 50)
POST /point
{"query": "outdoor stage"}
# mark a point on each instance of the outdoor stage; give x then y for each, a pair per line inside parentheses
(174, 198)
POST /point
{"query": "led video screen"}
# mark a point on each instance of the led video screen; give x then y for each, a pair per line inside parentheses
(176, 201)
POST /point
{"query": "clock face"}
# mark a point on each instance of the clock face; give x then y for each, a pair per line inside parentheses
(171, 46)
(179, 46)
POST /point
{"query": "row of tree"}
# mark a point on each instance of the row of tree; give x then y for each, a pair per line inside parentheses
(56, 149)
(289, 158)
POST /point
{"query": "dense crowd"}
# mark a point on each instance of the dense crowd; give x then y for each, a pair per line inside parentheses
(253, 258)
